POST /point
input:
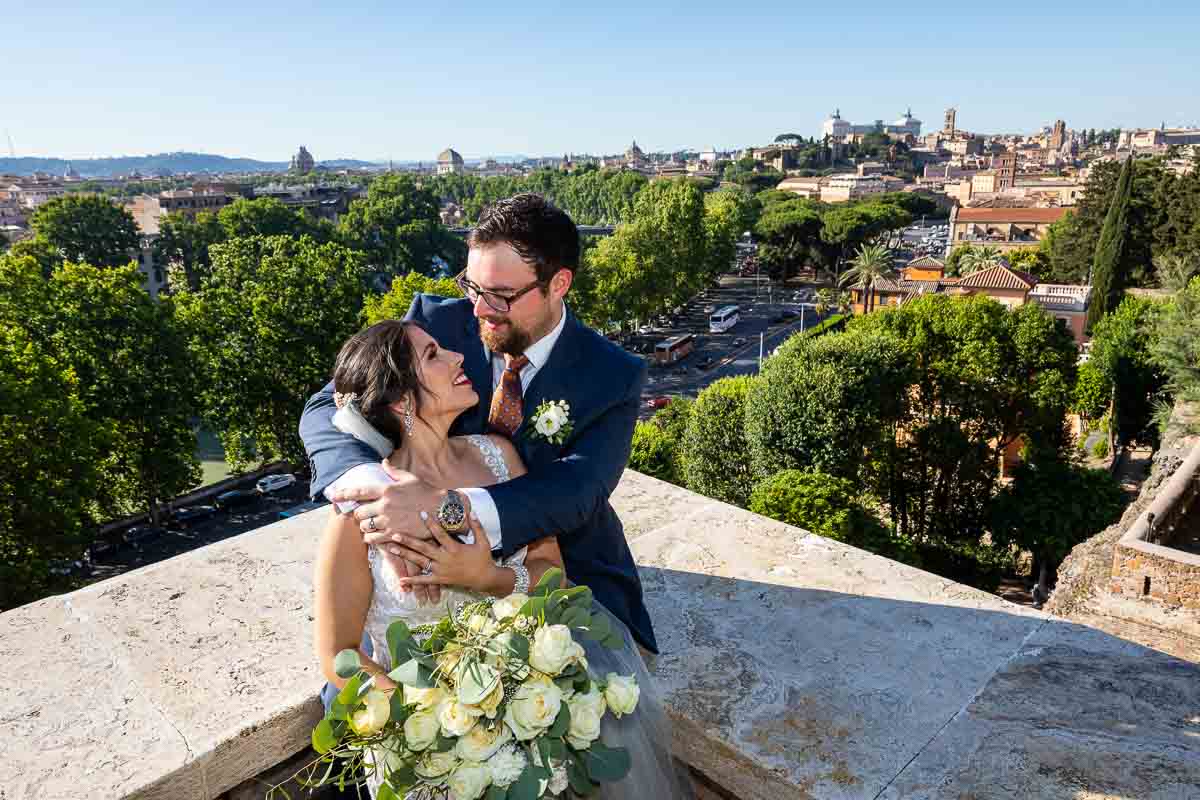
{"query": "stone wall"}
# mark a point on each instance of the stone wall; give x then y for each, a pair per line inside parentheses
(792, 667)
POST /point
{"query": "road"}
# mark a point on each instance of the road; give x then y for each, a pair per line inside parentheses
(686, 378)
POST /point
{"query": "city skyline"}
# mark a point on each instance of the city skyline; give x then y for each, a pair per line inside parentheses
(372, 84)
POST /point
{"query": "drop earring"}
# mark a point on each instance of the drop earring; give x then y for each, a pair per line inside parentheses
(408, 419)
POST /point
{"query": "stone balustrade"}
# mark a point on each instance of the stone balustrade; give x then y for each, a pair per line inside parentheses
(793, 667)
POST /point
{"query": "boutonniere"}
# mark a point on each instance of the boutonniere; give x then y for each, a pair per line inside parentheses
(552, 421)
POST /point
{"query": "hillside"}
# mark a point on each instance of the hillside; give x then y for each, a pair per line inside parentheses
(173, 163)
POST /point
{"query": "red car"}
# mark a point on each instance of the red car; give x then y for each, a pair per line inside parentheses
(658, 402)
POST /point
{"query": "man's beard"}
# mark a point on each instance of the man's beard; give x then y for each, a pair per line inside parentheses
(512, 341)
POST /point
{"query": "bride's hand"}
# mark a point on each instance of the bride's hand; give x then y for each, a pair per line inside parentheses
(449, 562)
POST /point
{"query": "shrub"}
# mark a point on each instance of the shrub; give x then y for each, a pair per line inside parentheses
(716, 461)
(1100, 448)
(1093, 391)
(654, 452)
(818, 503)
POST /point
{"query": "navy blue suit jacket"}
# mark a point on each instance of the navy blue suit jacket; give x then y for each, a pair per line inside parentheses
(566, 491)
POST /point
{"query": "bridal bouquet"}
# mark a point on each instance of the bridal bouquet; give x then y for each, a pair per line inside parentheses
(495, 702)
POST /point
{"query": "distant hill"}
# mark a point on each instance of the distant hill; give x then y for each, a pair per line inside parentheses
(173, 163)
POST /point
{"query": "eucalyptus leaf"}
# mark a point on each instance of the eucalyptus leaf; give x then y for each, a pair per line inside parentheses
(526, 787)
(513, 645)
(534, 607)
(400, 641)
(347, 663)
(399, 711)
(443, 743)
(495, 792)
(562, 722)
(606, 764)
(577, 777)
(413, 673)
(323, 737)
(558, 750)
(598, 628)
(550, 579)
(348, 696)
(385, 793)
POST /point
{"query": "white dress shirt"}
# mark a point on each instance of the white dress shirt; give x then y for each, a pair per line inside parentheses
(482, 504)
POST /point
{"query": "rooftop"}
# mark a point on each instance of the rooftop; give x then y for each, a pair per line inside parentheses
(1031, 215)
(999, 276)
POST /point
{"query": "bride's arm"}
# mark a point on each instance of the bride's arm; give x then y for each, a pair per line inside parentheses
(343, 595)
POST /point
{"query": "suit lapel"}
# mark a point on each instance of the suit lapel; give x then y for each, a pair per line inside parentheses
(553, 380)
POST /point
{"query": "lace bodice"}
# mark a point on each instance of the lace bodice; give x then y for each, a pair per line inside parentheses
(388, 603)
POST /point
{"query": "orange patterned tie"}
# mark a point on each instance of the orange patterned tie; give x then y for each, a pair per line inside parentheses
(507, 401)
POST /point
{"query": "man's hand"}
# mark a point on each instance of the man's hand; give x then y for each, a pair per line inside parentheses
(387, 513)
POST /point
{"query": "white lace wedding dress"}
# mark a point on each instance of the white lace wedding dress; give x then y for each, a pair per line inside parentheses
(646, 733)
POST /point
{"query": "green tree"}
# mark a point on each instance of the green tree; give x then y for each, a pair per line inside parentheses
(132, 367)
(398, 227)
(87, 229)
(716, 461)
(870, 266)
(1051, 506)
(977, 258)
(1031, 260)
(266, 216)
(1109, 274)
(1093, 391)
(1122, 350)
(264, 330)
(396, 302)
(788, 232)
(50, 453)
(183, 244)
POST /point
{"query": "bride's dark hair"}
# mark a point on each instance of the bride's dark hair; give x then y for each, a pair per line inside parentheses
(379, 366)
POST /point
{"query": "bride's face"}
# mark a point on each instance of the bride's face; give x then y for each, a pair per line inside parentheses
(447, 389)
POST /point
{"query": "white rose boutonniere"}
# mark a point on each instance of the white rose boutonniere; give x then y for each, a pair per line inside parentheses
(552, 421)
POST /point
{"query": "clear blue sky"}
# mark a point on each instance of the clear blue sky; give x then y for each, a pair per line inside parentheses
(378, 80)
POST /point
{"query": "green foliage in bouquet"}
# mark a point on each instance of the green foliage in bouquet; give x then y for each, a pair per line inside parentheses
(495, 703)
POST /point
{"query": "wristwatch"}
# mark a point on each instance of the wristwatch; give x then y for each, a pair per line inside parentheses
(452, 513)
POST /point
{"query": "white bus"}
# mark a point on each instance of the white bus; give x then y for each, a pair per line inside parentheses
(723, 319)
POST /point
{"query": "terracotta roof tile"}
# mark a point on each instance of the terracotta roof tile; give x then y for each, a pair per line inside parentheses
(1000, 276)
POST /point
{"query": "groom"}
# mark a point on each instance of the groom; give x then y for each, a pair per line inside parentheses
(521, 347)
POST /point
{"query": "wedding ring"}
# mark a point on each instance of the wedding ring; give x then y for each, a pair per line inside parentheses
(371, 523)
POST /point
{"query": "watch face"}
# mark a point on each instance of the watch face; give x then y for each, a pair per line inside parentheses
(452, 514)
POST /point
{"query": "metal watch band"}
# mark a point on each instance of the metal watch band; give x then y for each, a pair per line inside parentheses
(521, 584)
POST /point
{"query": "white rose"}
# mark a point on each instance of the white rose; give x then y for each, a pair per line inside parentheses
(421, 729)
(553, 649)
(506, 765)
(371, 719)
(435, 765)
(457, 719)
(622, 694)
(507, 607)
(480, 744)
(469, 781)
(479, 623)
(424, 699)
(585, 727)
(547, 424)
(592, 701)
(532, 709)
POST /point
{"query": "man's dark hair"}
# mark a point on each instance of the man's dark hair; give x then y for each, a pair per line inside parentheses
(540, 233)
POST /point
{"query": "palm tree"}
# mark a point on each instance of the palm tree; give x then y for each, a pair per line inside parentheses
(978, 258)
(872, 263)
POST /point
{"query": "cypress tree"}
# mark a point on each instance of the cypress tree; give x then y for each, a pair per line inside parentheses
(1108, 267)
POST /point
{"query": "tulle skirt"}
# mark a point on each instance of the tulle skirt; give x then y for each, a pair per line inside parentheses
(646, 733)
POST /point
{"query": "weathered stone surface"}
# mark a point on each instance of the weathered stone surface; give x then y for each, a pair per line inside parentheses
(792, 665)
(1073, 714)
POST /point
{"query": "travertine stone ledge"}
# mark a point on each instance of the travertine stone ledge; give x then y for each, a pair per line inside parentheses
(793, 666)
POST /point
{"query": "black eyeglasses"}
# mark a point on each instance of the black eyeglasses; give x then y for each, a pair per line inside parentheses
(497, 302)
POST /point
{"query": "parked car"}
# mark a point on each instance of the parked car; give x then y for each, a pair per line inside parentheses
(705, 362)
(787, 313)
(708, 309)
(186, 516)
(273, 483)
(738, 342)
(236, 497)
(658, 402)
(141, 533)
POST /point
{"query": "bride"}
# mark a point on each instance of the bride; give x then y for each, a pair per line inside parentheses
(404, 392)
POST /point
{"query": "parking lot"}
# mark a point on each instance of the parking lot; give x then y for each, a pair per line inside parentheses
(718, 355)
(177, 537)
